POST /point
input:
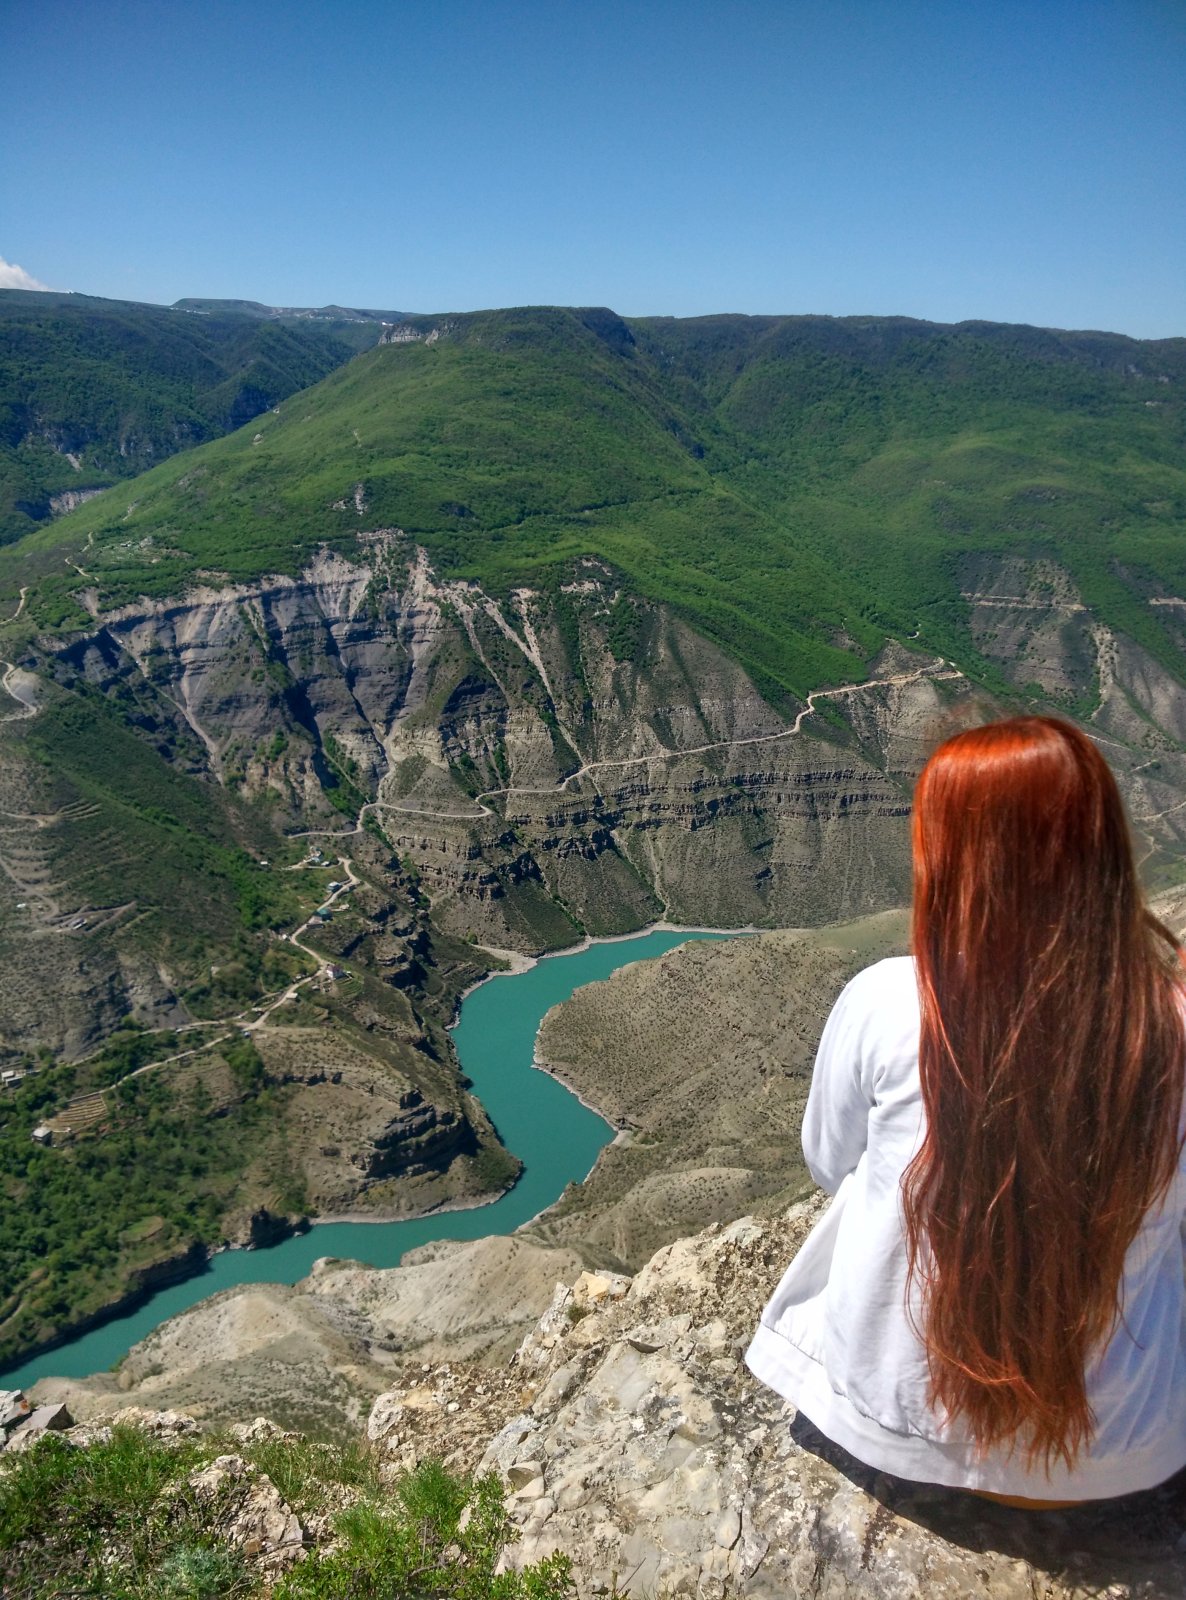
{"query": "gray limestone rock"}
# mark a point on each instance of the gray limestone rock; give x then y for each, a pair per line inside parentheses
(635, 1440)
(26, 1427)
(250, 1512)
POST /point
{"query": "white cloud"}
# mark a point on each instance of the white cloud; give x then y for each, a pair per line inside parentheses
(14, 277)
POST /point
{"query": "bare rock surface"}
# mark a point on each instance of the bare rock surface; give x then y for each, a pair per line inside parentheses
(24, 1424)
(450, 1300)
(265, 1347)
(248, 1510)
(629, 1434)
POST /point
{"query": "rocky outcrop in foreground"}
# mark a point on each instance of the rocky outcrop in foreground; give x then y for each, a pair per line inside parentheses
(238, 1504)
(314, 1355)
(631, 1436)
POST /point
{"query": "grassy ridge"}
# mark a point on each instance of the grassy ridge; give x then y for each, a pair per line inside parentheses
(119, 386)
(795, 487)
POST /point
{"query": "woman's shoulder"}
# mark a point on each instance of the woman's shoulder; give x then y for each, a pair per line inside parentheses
(889, 980)
(882, 999)
(875, 1021)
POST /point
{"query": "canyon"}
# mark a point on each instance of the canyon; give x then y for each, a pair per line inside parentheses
(524, 629)
(538, 785)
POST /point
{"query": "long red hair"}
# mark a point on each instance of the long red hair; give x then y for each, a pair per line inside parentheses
(1051, 1058)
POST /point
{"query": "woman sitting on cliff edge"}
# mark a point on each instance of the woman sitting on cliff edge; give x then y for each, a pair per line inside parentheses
(995, 1300)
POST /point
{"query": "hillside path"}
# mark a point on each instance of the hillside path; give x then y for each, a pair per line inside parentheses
(22, 693)
(937, 670)
(251, 1017)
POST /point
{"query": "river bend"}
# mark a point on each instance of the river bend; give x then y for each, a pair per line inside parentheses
(547, 1127)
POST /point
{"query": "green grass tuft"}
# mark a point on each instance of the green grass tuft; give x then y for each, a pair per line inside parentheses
(116, 1518)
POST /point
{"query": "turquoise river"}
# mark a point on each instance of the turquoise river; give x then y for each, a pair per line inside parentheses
(553, 1134)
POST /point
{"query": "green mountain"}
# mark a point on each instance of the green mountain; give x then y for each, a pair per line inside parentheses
(93, 391)
(795, 487)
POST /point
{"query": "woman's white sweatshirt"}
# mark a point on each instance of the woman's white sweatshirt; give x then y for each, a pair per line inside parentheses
(836, 1339)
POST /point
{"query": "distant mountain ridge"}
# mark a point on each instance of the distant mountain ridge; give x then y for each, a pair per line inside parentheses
(797, 487)
(45, 299)
(93, 390)
(254, 308)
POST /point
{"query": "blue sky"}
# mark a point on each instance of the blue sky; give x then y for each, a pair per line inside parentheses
(937, 158)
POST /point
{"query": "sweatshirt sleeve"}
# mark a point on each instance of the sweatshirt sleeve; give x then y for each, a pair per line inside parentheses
(835, 1124)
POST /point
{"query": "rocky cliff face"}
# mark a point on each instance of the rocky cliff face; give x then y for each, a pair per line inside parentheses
(355, 1123)
(543, 764)
(568, 761)
(550, 762)
(630, 1435)
(1028, 618)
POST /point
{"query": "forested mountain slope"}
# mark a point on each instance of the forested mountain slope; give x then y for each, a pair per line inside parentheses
(93, 391)
(796, 487)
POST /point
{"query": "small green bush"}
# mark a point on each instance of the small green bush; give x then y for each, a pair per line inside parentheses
(439, 1535)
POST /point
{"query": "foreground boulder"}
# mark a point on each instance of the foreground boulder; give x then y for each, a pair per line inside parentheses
(22, 1423)
(250, 1512)
(631, 1436)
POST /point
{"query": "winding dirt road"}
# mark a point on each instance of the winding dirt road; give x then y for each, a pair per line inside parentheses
(937, 671)
(22, 693)
(252, 1017)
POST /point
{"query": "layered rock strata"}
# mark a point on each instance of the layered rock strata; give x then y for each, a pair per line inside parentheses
(550, 763)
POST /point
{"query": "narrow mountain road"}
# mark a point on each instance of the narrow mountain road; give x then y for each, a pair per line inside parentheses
(1146, 833)
(937, 671)
(1014, 602)
(934, 672)
(21, 692)
(353, 880)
